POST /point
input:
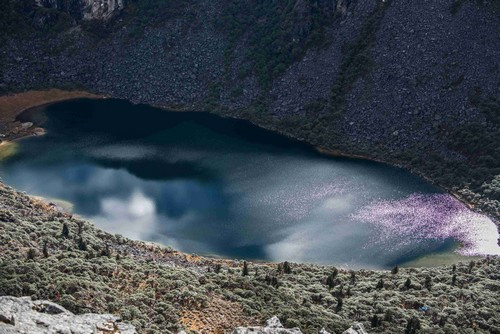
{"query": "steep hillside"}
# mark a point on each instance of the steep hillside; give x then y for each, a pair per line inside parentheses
(409, 82)
(412, 83)
(46, 254)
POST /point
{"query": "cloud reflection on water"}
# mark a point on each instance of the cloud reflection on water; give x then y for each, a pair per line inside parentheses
(215, 192)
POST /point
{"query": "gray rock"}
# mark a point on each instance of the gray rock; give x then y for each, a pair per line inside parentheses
(22, 315)
(273, 326)
(356, 328)
(26, 125)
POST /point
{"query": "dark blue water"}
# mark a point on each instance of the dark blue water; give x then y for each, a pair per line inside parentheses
(212, 186)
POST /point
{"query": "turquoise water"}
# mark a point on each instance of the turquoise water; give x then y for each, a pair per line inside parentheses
(214, 186)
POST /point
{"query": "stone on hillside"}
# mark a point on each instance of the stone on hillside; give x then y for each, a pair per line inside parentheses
(356, 328)
(22, 315)
(273, 326)
(274, 322)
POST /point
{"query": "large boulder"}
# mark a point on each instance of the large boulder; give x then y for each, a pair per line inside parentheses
(273, 326)
(22, 315)
(356, 328)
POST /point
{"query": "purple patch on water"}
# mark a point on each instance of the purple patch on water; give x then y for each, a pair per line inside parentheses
(421, 217)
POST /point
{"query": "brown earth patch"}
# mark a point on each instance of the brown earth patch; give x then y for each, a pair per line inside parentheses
(218, 317)
(14, 104)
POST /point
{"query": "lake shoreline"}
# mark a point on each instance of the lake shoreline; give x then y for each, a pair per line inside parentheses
(38, 99)
(431, 260)
(85, 106)
(13, 105)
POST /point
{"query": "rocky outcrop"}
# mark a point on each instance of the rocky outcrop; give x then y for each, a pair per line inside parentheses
(85, 9)
(22, 315)
(101, 9)
(356, 328)
(274, 326)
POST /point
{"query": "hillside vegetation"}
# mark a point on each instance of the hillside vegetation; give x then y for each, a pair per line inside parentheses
(46, 254)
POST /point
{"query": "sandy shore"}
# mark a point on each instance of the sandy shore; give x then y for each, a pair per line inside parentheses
(14, 104)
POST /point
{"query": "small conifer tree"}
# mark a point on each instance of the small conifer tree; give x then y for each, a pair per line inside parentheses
(408, 283)
(287, 269)
(428, 282)
(45, 250)
(106, 251)
(412, 326)
(388, 315)
(340, 302)
(375, 322)
(65, 231)
(245, 268)
(31, 254)
(330, 281)
(471, 265)
(82, 245)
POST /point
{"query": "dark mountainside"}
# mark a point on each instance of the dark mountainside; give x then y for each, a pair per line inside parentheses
(414, 83)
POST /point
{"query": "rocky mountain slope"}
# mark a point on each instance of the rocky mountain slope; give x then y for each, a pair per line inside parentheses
(50, 255)
(414, 83)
